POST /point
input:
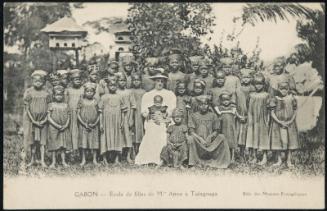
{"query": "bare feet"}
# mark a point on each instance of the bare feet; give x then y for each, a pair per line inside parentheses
(65, 164)
(95, 163)
(82, 163)
(289, 164)
(182, 167)
(253, 161)
(43, 164)
(263, 162)
(30, 163)
(52, 166)
(278, 163)
(129, 160)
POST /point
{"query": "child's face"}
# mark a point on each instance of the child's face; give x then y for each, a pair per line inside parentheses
(77, 82)
(278, 68)
(225, 100)
(181, 89)
(198, 90)
(93, 77)
(112, 71)
(136, 82)
(38, 81)
(174, 64)
(128, 68)
(204, 72)
(89, 93)
(227, 70)
(195, 67)
(112, 87)
(55, 82)
(203, 107)
(64, 80)
(220, 81)
(122, 82)
(178, 120)
(259, 86)
(151, 70)
(284, 90)
(246, 80)
(157, 101)
(59, 97)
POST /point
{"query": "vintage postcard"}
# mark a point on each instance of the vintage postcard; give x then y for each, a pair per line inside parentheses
(163, 105)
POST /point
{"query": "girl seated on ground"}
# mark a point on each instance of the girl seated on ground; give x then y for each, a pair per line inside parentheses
(175, 152)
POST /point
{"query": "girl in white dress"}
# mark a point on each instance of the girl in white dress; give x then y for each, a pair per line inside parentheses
(155, 134)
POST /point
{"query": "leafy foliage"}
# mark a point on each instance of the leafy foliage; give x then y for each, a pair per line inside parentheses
(158, 27)
(255, 12)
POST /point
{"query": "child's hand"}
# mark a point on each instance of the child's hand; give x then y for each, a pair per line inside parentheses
(284, 124)
(121, 126)
(131, 123)
(61, 128)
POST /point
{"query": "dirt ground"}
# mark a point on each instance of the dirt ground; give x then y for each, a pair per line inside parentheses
(309, 161)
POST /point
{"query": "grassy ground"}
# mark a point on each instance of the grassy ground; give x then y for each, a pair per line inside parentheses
(307, 163)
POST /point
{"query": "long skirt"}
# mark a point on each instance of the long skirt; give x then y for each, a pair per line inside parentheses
(154, 139)
(216, 154)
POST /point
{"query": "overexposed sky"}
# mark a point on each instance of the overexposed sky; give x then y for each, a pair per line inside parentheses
(276, 39)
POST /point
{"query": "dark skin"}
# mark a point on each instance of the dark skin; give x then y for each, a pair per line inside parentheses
(88, 95)
(203, 109)
(38, 83)
(174, 65)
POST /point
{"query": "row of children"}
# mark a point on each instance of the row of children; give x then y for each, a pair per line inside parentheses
(106, 115)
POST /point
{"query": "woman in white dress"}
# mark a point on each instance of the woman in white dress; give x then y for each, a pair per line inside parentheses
(155, 137)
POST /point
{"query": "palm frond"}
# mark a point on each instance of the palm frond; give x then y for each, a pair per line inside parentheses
(253, 12)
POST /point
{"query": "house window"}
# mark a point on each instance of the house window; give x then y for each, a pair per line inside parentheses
(73, 45)
(120, 49)
(65, 44)
(57, 44)
(120, 38)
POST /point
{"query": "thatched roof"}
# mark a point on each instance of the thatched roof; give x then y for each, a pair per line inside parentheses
(65, 24)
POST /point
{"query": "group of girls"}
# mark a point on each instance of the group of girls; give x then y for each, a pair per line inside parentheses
(66, 115)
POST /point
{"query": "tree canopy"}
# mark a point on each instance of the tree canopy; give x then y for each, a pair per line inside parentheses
(158, 27)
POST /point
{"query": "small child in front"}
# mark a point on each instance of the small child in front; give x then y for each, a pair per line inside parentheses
(59, 131)
(88, 119)
(157, 112)
(36, 99)
(176, 150)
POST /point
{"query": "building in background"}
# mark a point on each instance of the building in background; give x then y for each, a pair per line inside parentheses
(64, 35)
(122, 46)
(92, 50)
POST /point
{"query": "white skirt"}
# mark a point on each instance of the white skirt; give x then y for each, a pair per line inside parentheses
(154, 139)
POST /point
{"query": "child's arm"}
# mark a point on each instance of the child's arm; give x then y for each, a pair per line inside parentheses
(84, 124)
(282, 123)
(101, 122)
(53, 123)
(30, 115)
(67, 124)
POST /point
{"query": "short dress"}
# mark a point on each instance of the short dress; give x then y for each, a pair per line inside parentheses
(60, 113)
(73, 96)
(37, 102)
(89, 113)
(228, 126)
(243, 97)
(258, 121)
(175, 155)
(138, 130)
(112, 106)
(130, 102)
(280, 138)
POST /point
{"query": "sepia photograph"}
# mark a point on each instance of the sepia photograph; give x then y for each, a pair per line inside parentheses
(163, 105)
